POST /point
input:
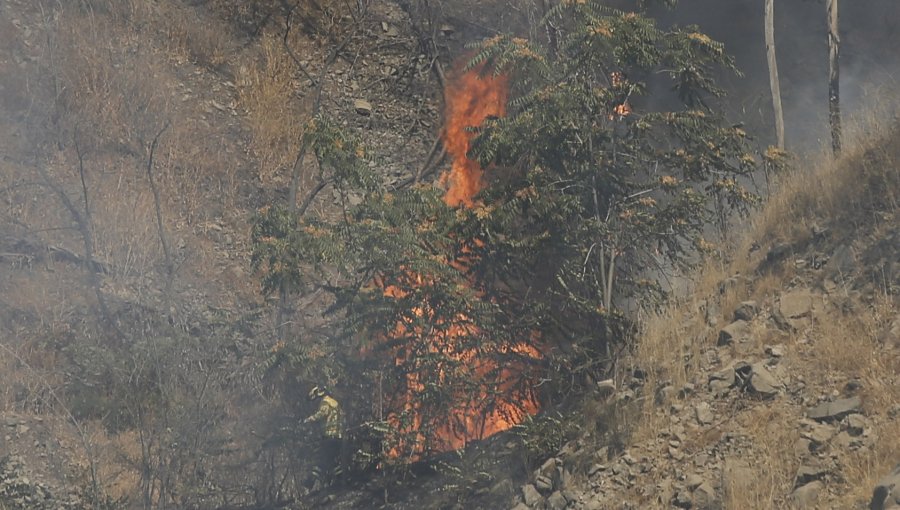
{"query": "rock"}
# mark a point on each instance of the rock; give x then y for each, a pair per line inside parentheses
(665, 394)
(362, 107)
(734, 331)
(710, 313)
(796, 304)
(557, 501)
(808, 495)
(594, 504)
(802, 447)
(746, 311)
(503, 489)
(683, 499)
(777, 253)
(521, 506)
(856, 424)
(704, 413)
(776, 351)
(721, 380)
(762, 382)
(607, 387)
(693, 481)
(544, 484)
(531, 495)
(887, 493)
(780, 321)
(835, 410)
(704, 497)
(818, 434)
(841, 263)
(807, 474)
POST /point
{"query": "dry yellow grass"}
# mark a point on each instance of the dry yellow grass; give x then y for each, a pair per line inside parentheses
(266, 91)
(858, 192)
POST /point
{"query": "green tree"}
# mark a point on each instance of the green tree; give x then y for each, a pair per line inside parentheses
(595, 186)
(601, 186)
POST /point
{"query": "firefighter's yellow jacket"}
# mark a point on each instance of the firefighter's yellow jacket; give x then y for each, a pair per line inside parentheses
(329, 412)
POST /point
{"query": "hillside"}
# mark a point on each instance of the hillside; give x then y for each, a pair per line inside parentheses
(144, 365)
(775, 381)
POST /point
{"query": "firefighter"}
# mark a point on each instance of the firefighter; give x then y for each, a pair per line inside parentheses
(329, 446)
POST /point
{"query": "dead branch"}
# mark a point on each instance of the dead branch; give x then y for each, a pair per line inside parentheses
(170, 266)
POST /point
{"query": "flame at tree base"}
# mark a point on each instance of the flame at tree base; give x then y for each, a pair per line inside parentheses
(500, 394)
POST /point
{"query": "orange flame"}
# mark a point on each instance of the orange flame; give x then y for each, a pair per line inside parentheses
(506, 395)
(471, 98)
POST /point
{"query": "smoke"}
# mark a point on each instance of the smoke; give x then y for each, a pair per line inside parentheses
(870, 64)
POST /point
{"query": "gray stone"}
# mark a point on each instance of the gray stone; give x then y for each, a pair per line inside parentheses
(704, 413)
(856, 424)
(802, 447)
(693, 481)
(704, 497)
(557, 501)
(746, 311)
(362, 107)
(683, 499)
(780, 321)
(808, 473)
(594, 504)
(817, 433)
(711, 313)
(762, 382)
(531, 495)
(887, 493)
(735, 331)
(721, 380)
(807, 495)
(521, 506)
(543, 484)
(776, 351)
(841, 262)
(607, 387)
(796, 304)
(665, 394)
(835, 410)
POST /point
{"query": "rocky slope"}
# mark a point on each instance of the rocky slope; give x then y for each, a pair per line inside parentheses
(776, 382)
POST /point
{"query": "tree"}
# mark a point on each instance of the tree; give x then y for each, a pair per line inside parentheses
(834, 76)
(608, 190)
(773, 73)
(594, 190)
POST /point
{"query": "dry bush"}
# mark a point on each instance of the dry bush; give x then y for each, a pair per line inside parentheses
(769, 428)
(111, 83)
(267, 92)
(206, 42)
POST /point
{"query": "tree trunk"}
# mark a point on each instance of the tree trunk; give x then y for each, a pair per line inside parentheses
(834, 76)
(773, 73)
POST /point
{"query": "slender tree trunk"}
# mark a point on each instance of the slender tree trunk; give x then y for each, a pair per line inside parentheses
(834, 76)
(773, 72)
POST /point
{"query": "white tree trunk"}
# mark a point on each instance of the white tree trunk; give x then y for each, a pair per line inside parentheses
(773, 73)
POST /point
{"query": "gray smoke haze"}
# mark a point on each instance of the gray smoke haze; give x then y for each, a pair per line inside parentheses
(870, 62)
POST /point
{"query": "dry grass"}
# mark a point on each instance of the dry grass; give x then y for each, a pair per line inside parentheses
(267, 92)
(855, 194)
(774, 465)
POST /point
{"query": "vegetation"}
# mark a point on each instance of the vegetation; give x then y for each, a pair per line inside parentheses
(594, 191)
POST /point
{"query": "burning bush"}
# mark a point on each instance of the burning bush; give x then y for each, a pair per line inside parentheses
(561, 204)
